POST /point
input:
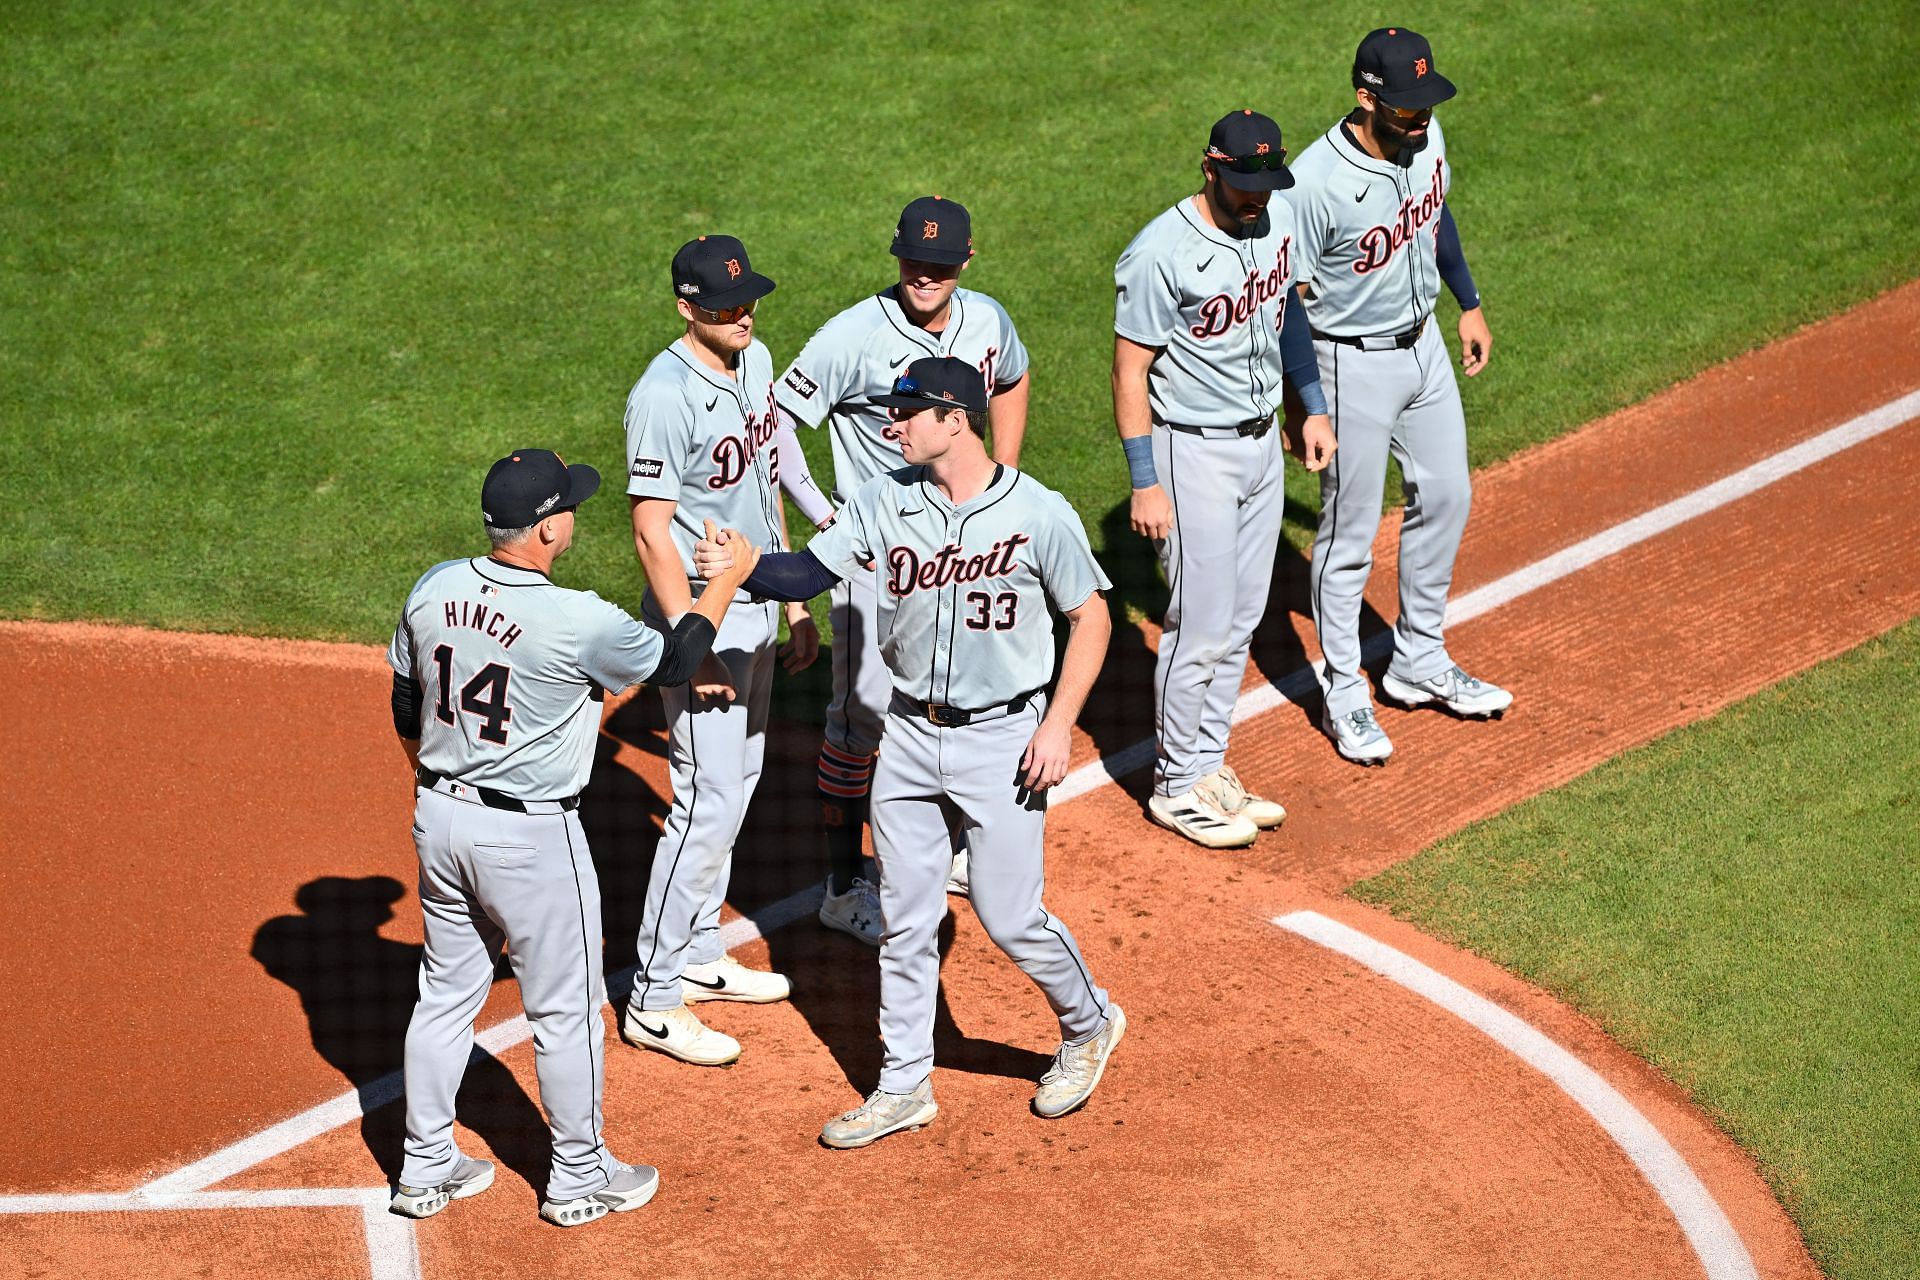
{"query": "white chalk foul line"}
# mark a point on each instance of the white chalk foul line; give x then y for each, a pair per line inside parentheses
(1718, 1246)
(1095, 774)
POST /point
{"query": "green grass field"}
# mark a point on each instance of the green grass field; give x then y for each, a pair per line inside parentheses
(277, 280)
(1739, 903)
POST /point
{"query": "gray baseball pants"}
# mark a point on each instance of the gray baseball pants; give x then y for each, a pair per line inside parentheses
(714, 753)
(1404, 402)
(862, 685)
(933, 785)
(489, 876)
(1228, 494)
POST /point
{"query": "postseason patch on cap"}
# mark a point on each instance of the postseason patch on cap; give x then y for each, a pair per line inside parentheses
(806, 387)
(648, 468)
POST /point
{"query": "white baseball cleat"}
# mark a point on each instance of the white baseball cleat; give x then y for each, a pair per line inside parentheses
(1357, 736)
(1226, 791)
(1077, 1068)
(957, 874)
(1197, 817)
(1453, 689)
(855, 913)
(881, 1114)
(678, 1034)
(469, 1178)
(728, 979)
(630, 1187)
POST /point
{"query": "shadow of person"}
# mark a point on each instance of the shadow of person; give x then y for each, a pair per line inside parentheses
(836, 988)
(622, 815)
(358, 990)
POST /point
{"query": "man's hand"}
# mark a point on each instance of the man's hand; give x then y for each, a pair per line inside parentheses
(1045, 762)
(803, 640)
(1152, 512)
(1317, 442)
(713, 680)
(1476, 341)
(713, 554)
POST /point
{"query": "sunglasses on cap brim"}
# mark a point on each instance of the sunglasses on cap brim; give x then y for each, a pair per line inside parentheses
(1274, 160)
(1403, 115)
(726, 315)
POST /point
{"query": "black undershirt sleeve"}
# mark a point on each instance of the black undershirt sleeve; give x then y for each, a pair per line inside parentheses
(406, 707)
(790, 575)
(686, 647)
(1452, 261)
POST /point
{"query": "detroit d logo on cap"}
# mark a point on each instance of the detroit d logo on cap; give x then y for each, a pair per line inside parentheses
(931, 231)
(733, 268)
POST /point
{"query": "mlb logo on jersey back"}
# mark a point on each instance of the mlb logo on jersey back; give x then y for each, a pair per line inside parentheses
(804, 386)
(648, 468)
(488, 589)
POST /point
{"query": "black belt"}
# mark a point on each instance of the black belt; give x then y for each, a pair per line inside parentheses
(488, 796)
(1255, 427)
(1378, 342)
(953, 717)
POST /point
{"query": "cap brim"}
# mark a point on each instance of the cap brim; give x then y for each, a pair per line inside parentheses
(582, 483)
(892, 401)
(1263, 180)
(1428, 91)
(939, 257)
(751, 288)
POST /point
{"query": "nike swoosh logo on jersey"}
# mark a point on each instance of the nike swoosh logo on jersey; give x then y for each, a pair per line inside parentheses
(1209, 262)
(718, 984)
(895, 364)
(661, 1034)
(1363, 194)
(711, 403)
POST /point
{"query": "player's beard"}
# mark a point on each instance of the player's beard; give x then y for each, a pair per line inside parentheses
(1394, 141)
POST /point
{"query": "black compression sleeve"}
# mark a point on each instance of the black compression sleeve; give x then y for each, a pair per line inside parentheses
(1296, 354)
(790, 575)
(1452, 261)
(687, 646)
(406, 707)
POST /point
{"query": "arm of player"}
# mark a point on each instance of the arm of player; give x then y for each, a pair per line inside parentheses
(653, 541)
(788, 575)
(1476, 340)
(406, 699)
(1302, 367)
(1007, 419)
(1152, 511)
(795, 476)
(1088, 629)
(803, 637)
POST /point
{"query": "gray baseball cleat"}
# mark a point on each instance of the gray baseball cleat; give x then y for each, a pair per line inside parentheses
(1453, 689)
(855, 913)
(470, 1177)
(630, 1187)
(958, 873)
(1357, 736)
(1077, 1068)
(881, 1114)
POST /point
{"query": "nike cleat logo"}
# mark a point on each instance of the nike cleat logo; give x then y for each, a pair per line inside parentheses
(1209, 262)
(661, 1034)
(718, 984)
(711, 403)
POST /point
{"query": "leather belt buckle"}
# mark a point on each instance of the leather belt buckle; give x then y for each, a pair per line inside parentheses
(945, 716)
(1256, 429)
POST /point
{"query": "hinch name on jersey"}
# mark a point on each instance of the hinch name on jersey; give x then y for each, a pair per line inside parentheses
(1224, 310)
(477, 617)
(1379, 244)
(907, 572)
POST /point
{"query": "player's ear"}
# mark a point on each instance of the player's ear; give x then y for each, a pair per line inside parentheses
(685, 309)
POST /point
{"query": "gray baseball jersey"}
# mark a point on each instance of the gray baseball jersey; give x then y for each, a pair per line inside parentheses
(704, 440)
(1215, 305)
(857, 355)
(514, 669)
(1366, 234)
(964, 590)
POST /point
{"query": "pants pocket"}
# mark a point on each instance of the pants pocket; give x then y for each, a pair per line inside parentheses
(505, 857)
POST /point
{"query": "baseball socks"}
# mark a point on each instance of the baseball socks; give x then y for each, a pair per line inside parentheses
(845, 779)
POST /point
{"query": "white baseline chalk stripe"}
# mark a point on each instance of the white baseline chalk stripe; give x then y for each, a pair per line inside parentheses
(1091, 776)
(1714, 1241)
(141, 1202)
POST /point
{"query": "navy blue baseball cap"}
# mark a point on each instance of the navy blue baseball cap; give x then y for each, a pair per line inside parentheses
(528, 485)
(938, 382)
(713, 272)
(1246, 151)
(934, 229)
(1396, 66)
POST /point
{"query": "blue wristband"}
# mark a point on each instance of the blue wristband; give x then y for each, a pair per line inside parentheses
(1139, 451)
(1312, 398)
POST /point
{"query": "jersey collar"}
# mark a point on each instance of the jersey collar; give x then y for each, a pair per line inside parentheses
(735, 387)
(506, 575)
(924, 493)
(1212, 233)
(935, 343)
(1353, 153)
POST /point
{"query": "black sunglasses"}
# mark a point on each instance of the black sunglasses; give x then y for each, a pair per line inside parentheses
(1276, 159)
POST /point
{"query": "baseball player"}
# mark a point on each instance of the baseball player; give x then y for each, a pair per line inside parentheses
(1206, 324)
(971, 556)
(1376, 239)
(499, 676)
(853, 358)
(698, 424)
